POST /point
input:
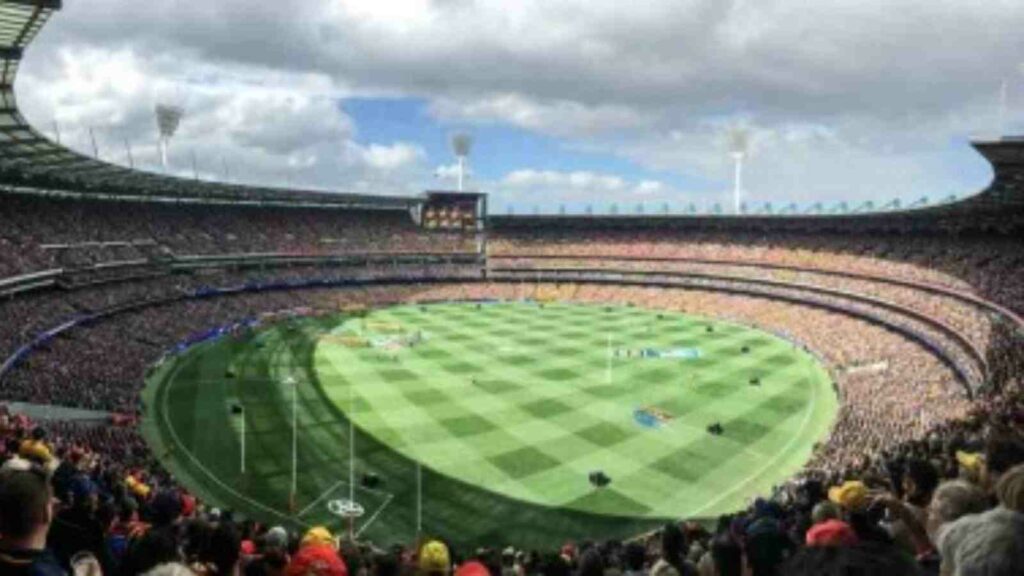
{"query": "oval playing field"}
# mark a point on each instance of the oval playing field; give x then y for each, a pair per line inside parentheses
(508, 407)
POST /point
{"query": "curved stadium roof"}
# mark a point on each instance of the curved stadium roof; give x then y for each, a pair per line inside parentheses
(29, 161)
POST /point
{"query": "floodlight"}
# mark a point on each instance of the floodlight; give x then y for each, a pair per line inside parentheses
(168, 118)
(462, 144)
(739, 142)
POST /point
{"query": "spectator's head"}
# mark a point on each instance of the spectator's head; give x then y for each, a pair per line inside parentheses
(434, 559)
(727, 556)
(473, 568)
(860, 560)
(385, 564)
(165, 507)
(634, 556)
(157, 547)
(554, 565)
(591, 563)
(1010, 489)
(317, 556)
(276, 539)
(953, 499)
(673, 543)
(919, 481)
(831, 533)
(988, 544)
(823, 511)
(26, 507)
(851, 496)
(1003, 450)
(84, 493)
(222, 548)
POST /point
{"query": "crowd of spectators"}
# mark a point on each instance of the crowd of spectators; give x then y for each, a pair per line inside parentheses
(86, 499)
(986, 265)
(46, 233)
(905, 422)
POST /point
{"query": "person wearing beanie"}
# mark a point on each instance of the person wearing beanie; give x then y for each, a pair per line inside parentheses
(317, 556)
(831, 532)
(472, 568)
(434, 559)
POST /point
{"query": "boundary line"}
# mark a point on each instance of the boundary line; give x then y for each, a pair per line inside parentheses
(373, 517)
(177, 440)
(808, 411)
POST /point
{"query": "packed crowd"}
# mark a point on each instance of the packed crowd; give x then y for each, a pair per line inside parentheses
(100, 365)
(87, 500)
(987, 265)
(42, 234)
(905, 420)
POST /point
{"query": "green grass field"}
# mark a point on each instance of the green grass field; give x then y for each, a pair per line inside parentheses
(508, 406)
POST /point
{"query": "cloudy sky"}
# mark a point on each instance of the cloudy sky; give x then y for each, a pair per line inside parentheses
(570, 102)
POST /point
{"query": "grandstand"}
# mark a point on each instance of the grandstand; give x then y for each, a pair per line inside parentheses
(915, 315)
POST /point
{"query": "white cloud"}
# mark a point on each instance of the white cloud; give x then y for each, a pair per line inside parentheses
(394, 157)
(557, 117)
(843, 102)
(569, 181)
(291, 132)
(646, 187)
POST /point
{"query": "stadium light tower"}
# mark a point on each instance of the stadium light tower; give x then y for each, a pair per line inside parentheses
(168, 118)
(739, 141)
(462, 144)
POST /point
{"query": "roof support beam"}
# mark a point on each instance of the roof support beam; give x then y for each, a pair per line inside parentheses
(10, 53)
(44, 4)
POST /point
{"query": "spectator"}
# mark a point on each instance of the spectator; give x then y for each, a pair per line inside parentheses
(317, 556)
(986, 544)
(26, 512)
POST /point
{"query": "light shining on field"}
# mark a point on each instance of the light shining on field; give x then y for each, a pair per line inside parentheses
(508, 406)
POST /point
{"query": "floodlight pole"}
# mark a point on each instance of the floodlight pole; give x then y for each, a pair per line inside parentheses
(462, 171)
(95, 148)
(128, 150)
(737, 181)
(56, 131)
(243, 440)
(1002, 107)
(163, 153)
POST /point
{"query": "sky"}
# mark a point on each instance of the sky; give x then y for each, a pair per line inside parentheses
(572, 105)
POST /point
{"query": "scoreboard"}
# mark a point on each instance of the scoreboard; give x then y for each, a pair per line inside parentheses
(453, 211)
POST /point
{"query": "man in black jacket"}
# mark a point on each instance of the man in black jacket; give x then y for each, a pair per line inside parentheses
(76, 529)
(26, 510)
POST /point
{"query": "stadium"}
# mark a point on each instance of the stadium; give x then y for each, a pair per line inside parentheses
(404, 369)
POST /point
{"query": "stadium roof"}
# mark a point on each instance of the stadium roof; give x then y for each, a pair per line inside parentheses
(31, 161)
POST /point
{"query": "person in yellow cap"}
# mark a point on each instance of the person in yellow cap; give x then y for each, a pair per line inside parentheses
(434, 559)
(317, 556)
(851, 495)
(970, 465)
(34, 448)
(318, 535)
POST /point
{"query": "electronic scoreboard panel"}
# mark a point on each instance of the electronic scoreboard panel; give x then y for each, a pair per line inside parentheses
(453, 211)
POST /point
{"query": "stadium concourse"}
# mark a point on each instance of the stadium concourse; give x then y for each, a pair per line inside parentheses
(915, 313)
